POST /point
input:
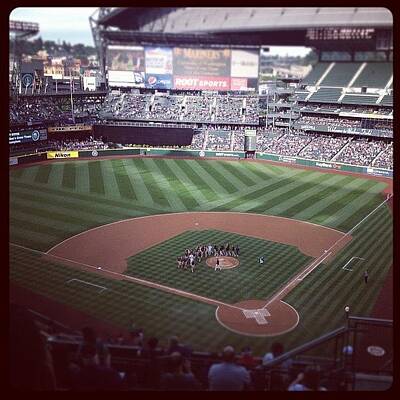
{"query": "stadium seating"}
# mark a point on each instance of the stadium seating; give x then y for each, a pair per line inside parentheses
(359, 99)
(326, 95)
(340, 75)
(315, 74)
(387, 101)
(374, 75)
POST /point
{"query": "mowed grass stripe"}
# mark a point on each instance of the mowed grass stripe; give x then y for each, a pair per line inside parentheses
(135, 176)
(19, 214)
(308, 191)
(278, 194)
(96, 179)
(201, 168)
(43, 173)
(238, 172)
(34, 234)
(111, 190)
(82, 177)
(196, 179)
(259, 172)
(56, 175)
(90, 198)
(231, 182)
(30, 243)
(44, 226)
(166, 184)
(124, 184)
(29, 174)
(213, 170)
(64, 218)
(195, 188)
(320, 193)
(178, 186)
(17, 173)
(76, 207)
(361, 212)
(255, 194)
(337, 207)
(353, 205)
(68, 175)
(317, 207)
(151, 184)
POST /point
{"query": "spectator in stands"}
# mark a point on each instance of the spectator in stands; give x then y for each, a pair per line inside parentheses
(280, 372)
(307, 381)
(227, 375)
(175, 346)
(92, 376)
(180, 376)
(90, 338)
(246, 358)
(31, 363)
(152, 369)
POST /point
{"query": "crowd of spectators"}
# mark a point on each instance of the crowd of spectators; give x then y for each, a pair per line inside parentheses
(361, 151)
(385, 158)
(323, 147)
(187, 108)
(218, 140)
(91, 364)
(36, 109)
(76, 144)
(289, 144)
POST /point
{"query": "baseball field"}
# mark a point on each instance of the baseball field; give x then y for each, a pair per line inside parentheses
(102, 236)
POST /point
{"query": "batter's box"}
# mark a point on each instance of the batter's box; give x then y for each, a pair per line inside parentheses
(347, 267)
(259, 315)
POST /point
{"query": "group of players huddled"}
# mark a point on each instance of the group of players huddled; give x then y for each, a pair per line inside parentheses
(192, 257)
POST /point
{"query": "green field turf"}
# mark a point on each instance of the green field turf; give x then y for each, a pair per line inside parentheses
(249, 280)
(49, 203)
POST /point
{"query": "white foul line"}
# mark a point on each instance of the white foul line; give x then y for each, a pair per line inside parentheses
(326, 253)
(138, 280)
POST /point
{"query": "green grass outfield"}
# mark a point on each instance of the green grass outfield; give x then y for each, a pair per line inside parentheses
(51, 202)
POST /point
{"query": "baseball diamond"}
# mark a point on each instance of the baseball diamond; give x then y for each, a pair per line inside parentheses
(102, 237)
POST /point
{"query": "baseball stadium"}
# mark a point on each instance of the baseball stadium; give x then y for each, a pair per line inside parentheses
(190, 212)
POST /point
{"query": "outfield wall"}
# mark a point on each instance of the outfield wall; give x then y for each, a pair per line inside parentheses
(199, 153)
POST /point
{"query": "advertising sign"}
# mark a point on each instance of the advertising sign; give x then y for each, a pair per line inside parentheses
(62, 154)
(158, 81)
(158, 60)
(244, 64)
(239, 84)
(125, 58)
(13, 161)
(195, 62)
(27, 136)
(126, 79)
(202, 83)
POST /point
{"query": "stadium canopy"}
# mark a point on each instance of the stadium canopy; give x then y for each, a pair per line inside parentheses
(234, 19)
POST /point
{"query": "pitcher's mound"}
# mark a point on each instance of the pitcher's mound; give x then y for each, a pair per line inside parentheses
(225, 262)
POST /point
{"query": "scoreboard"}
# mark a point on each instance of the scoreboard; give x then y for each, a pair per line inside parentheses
(29, 136)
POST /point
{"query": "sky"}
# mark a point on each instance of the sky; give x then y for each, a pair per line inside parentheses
(72, 25)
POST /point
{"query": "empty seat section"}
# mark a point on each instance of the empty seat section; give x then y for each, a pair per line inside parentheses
(341, 74)
(387, 101)
(326, 95)
(359, 99)
(315, 74)
(374, 75)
